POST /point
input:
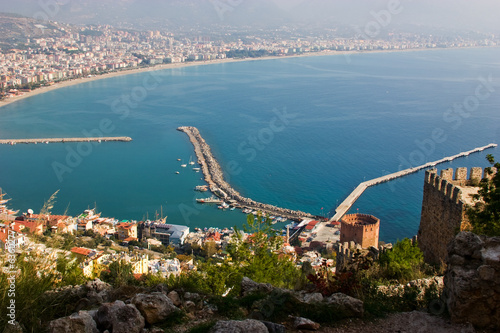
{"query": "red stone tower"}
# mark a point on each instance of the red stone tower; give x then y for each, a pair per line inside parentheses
(362, 229)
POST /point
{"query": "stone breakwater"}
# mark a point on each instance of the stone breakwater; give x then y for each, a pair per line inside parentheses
(215, 178)
(57, 140)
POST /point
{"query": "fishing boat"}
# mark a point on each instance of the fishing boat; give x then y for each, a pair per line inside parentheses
(201, 188)
(212, 199)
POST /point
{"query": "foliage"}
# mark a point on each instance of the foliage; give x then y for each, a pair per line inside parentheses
(484, 216)
(403, 263)
(256, 257)
(118, 274)
(34, 277)
(70, 273)
(246, 53)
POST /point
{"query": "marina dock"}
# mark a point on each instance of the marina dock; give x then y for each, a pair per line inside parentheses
(215, 179)
(351, 199)
(63, 140)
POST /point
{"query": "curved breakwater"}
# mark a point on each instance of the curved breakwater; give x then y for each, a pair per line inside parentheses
(215, 179)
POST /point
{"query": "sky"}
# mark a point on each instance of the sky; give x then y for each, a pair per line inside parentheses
(462, 15)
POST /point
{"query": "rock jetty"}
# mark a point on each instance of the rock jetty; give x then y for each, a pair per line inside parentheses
(215, 178)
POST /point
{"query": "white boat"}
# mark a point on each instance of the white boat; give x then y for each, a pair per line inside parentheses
(212, 199)
(191, 162)
(177, 172)
(183, 165)
(196, 169)
(201, 188)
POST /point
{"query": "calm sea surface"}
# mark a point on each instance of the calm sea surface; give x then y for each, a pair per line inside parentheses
(300, 133)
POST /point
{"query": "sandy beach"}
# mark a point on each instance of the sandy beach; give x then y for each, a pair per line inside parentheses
(188, 64)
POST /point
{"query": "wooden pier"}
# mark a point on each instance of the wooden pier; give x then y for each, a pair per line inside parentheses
(351, 199)
(63, 140)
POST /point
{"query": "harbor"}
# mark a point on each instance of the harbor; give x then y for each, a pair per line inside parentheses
(215, 179)
(64, 140)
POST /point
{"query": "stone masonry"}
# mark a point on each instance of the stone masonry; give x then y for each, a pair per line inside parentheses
(472, 281)
(362, 229)
(444, 206)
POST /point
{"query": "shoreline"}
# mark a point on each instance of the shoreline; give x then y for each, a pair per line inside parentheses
(77, 81)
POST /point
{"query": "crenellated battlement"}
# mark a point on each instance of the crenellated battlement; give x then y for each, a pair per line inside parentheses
(450, 181)
(446, 198)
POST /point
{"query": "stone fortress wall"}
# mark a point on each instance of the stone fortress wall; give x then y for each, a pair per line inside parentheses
(445, 200)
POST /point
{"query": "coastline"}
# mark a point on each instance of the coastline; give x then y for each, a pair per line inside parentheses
(77, 81)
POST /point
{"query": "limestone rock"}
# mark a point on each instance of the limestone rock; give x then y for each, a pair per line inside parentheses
(154, 307)
(191, 296)
(13, 328)
(189, 306)
(119, 317)
(174, 297)
(248, 286)
(310, 298)
(81, 322)
(305, 324)
(153, 330)
(465, 244)
(236, 326)
(347, 305)
(274, 328)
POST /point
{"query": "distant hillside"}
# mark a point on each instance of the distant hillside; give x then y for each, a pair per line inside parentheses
(16, 30)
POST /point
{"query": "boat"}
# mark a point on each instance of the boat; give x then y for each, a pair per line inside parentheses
(212, 199)
(177, 172)
(201, 188)
(232, 208)
(179, 159)
(196, 169)
(191, 162)
(223, 206)
(183, 165)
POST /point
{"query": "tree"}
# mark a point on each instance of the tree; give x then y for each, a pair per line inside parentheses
(484, 216)
(119, 274)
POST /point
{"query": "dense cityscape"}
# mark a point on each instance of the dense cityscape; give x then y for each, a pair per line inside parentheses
(84, 51)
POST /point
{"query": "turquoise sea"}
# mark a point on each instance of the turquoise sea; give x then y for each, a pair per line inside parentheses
(300, 133)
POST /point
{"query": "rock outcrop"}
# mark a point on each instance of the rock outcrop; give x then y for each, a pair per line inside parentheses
(119, 317)
(81, 322)
(347, 305)
(472, 280)
(154, 307)
(239, 326)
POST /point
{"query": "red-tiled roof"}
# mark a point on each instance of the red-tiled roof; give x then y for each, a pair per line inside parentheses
(313, 223)
(81, 250)
(129, 239)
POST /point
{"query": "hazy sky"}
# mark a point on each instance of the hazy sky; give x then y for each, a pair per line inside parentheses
(465, 15)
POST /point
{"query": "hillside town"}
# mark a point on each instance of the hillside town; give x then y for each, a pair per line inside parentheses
(150, 247)
(81, 52)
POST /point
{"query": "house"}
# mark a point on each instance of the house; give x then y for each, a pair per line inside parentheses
(89, 260)
(11, 236)
(125, 230)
